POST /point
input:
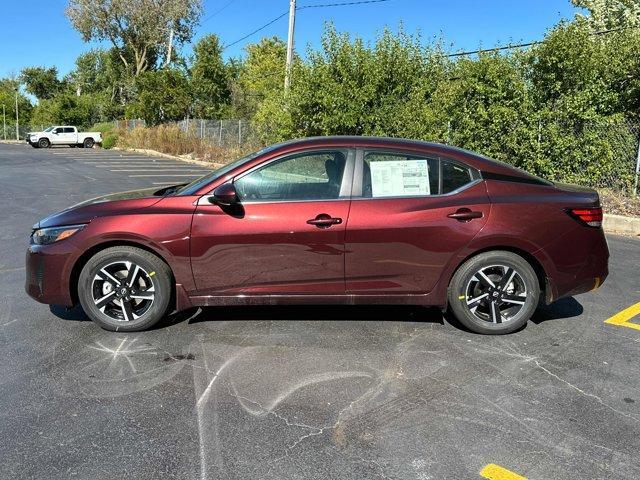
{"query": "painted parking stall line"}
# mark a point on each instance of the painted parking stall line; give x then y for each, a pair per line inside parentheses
(177, 169)
(623, 318)
(496, 472)
(163, 175)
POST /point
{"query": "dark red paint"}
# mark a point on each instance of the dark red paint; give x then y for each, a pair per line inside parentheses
(375, 250)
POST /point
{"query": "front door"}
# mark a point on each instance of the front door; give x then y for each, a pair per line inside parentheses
(58, 136)
(286, 236)
(409, 215)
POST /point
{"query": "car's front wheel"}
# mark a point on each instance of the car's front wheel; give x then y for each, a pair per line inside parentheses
(125, 289)
(494, 292)
(44, 143)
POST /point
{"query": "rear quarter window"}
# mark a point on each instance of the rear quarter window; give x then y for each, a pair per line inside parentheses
(454, 176)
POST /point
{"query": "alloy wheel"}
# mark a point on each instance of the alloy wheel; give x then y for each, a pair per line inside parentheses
(123, 290)
(496, 294)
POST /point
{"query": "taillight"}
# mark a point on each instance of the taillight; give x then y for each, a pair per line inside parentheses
(588, 216)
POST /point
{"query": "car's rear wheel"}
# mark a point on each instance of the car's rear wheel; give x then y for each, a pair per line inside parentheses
(125, 289)
(44, 143)
(88, 143)
(494, 292)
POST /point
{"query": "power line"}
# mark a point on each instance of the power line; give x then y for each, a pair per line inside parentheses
(302, 7)
(528, 44)
(340, 4)
(218, 11)
(256, 30)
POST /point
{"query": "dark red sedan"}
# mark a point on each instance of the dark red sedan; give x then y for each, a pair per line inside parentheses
(340, 220)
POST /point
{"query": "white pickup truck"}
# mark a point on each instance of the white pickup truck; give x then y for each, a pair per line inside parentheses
(63, 135)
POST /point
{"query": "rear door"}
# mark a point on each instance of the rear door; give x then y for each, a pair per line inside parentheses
(409, 215)
(287, 235)
(70, 135)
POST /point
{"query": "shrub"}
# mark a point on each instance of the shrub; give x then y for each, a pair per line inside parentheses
(109, 140)
(172, 140)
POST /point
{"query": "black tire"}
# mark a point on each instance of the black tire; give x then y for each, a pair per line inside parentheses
(153, 272)
(88, 143)
(484, 287)
(44, 143)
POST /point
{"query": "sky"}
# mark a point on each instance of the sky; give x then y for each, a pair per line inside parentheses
(37, 33)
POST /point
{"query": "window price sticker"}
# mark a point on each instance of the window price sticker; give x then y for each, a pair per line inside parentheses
(400, 178)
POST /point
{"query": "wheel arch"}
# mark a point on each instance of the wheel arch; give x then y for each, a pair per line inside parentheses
(537, 266)
(546, 290)
(90, 252)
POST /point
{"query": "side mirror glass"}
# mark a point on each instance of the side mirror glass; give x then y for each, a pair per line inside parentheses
(225, 195)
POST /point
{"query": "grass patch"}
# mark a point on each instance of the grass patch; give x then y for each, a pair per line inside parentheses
(619, 203)
(172, 140)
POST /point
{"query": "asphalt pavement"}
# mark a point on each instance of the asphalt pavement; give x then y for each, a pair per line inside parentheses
(301, 392)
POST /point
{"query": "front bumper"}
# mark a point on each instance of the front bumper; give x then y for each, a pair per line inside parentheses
(48, 272)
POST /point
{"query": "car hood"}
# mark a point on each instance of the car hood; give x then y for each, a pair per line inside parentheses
(113, 204)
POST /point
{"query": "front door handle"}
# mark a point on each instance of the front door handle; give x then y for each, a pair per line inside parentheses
(464, 215)
(324, 221)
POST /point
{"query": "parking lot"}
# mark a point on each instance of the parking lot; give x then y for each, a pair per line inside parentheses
(301, 392)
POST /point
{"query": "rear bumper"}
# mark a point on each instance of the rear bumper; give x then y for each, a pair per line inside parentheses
(573, 276)
(48, 271)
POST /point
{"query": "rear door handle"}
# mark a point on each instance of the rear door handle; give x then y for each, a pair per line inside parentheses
(464, 215)
(324, 221)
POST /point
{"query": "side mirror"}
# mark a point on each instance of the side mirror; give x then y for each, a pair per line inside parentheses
(225, 195)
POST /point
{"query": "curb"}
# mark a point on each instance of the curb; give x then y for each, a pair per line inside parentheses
(621, 225)
(155, 153)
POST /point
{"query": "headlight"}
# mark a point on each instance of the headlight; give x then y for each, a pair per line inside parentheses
(45, 236)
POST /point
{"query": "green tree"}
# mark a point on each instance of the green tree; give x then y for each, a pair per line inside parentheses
(138, 29)
(209, 79)
(161, 96)
(260, 77)
(607, 14)
(41, 82)
(8, 88)
(68, 109)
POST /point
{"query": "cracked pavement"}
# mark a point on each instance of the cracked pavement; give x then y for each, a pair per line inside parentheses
(303, 392)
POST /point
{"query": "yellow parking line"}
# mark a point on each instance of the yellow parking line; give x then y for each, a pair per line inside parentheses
(496, 472)
(622, 319)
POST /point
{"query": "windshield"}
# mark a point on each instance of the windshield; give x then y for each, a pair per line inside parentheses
(48, 129)
(193, 187)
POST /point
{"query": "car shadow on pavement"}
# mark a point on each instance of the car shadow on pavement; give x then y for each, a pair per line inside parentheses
(563, 308)
(75, 314)
(396, 313)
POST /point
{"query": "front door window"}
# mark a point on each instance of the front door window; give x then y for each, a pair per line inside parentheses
(302, 177)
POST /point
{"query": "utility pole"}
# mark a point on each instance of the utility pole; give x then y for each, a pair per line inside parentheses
(17, 130)
(635, 185)
(4, 123)
(292, 24)
(170, 47)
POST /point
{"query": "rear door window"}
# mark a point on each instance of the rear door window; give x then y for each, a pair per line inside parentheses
(399, 175)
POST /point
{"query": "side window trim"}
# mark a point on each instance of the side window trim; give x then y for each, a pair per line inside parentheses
(474, 174)
(347, 176)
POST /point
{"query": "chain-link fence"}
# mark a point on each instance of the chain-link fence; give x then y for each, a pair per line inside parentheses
(9, 132)
(229, 133)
